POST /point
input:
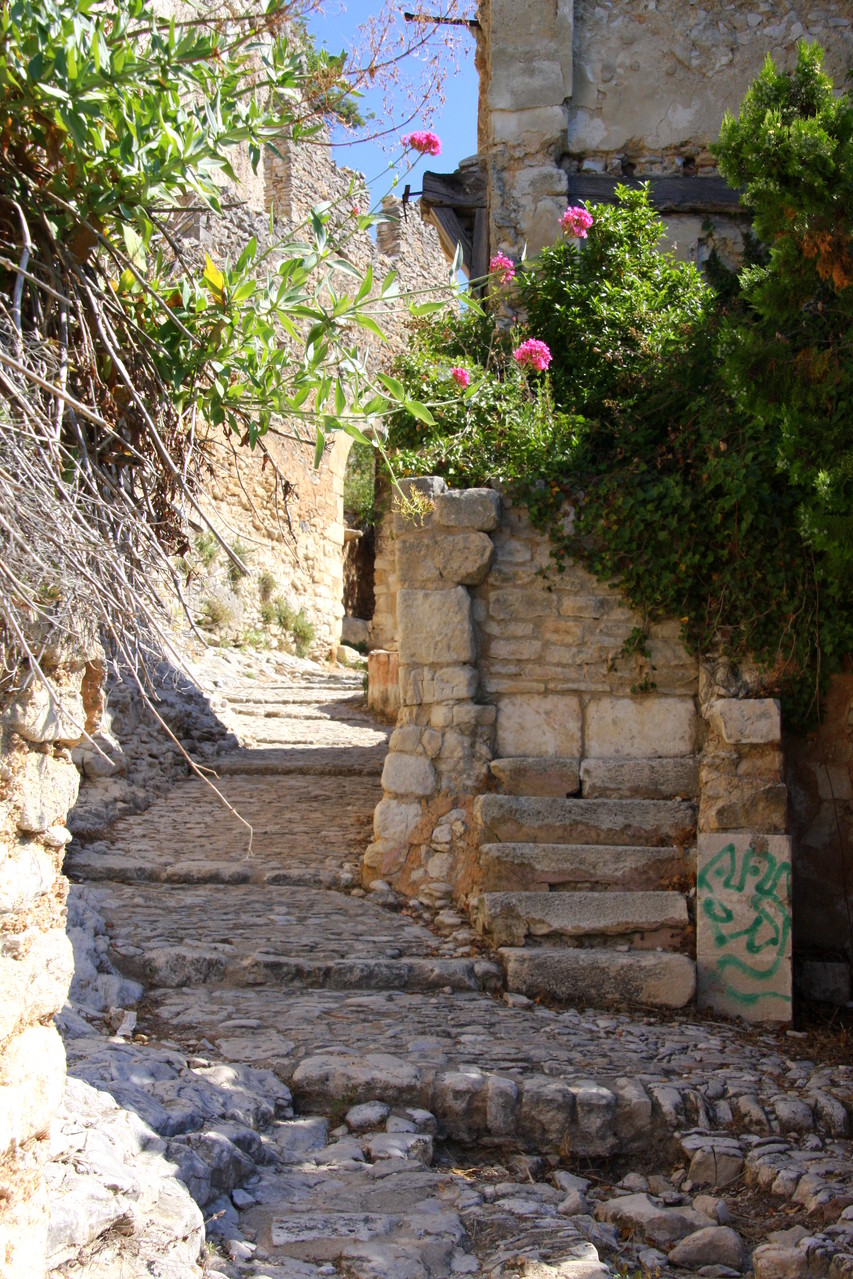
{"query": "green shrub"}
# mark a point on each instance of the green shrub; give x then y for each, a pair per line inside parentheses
(665, 434)
(207, 548)
(215, 613)
(235, 573)
(360, 486)
(303, 632)
(266, 585)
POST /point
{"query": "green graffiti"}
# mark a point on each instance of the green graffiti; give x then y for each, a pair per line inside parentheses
(762, 945)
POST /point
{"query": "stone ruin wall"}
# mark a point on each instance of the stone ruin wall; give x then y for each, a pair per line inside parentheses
(625, 88)
(38, 786)
(298, 535)
(501, 655)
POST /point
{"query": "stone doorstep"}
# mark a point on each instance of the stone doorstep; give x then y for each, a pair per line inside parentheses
(517, 819)
(530, 1112)
(412, 974)
(629, 867)
(646, 919)
(529, 775)
(640, 778)
(598, 975)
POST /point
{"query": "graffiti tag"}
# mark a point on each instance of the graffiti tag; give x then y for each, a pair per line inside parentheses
(745, 900)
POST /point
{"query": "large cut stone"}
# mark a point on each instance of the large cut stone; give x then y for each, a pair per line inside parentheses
(539, 725)
(518, 819)
(640, 778)
(468, 508)
(639, 727)
(629, 867)
(408, 774)
(435, 627)
(743, 925)
(326, 1078)
(752, 721)
(536, 775)
(649, 918)
(453, 558)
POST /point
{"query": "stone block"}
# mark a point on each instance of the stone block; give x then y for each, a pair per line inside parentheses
(455, 684)
(408, 774)
(601, 977)
(48, 713)
(394, 820)
(517, 84)
(541, 125)
(424, 489)
(536, 775)
(468, 508)
(638, 727)
(744, 806)
(24, 877)
(656, 918)
(435, 627)
(640, 778)
(751, 721)
(32, 1077)
(539, 726)
(743, 913)
(464, 558)
(48, 789)
(383, 682)
(354, 630)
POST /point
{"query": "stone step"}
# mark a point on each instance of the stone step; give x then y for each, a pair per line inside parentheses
(600, 977)
(640, 778)
(532, 775)
(645, 920)
(520, 819)
(629, 867)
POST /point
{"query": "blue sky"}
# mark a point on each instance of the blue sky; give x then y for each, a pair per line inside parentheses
(455, 121)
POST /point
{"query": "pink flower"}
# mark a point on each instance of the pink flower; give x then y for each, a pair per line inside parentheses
(503, 267)
(355, 211)
(461, 377)
(425, 142)
(576, 221)
(534, 353)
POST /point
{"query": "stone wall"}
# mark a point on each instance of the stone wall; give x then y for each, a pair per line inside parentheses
(499, 657)
(296, 534)
(502, 656)
(38, 786)
(627, 89)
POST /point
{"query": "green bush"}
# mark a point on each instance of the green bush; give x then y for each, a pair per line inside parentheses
(683, 491)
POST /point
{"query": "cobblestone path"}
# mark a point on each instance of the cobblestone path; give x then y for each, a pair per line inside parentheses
(344, 1089)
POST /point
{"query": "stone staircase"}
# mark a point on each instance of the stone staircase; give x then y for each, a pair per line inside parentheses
(585, 871)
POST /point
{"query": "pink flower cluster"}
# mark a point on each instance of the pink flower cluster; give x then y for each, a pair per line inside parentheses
(423, 141)
(461, 377)
(576, 221)
(503, 267)
(534, 353)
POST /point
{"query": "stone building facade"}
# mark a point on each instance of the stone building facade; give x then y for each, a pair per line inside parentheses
(578, 95)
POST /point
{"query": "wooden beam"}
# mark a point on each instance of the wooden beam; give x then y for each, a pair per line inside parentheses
(697, 194)
(464, 190)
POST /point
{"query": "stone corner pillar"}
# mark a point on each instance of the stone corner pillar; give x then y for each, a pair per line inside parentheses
(743, 887)
(439, 754)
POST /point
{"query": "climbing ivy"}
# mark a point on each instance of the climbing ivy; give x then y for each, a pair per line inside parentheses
(708, 471)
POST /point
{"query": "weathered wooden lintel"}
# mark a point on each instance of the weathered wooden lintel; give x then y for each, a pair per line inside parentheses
(697, 194)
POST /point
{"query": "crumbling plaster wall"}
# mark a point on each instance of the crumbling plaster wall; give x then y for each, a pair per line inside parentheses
(38, 787)
(630, 87)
